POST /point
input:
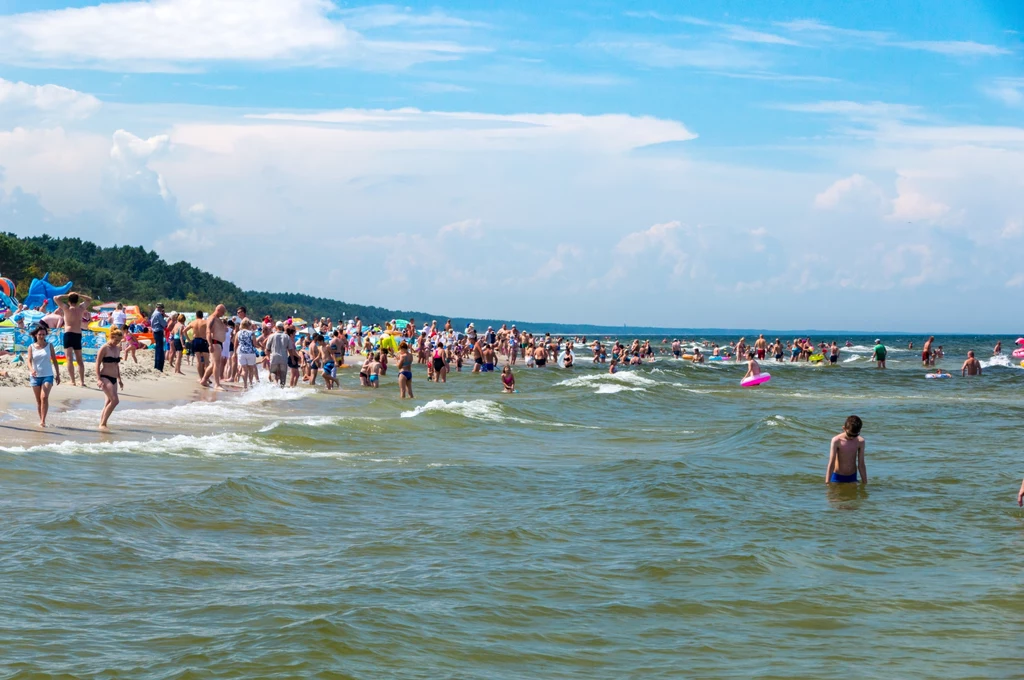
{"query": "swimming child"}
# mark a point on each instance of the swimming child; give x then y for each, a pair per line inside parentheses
(508, 380)
(846, 455)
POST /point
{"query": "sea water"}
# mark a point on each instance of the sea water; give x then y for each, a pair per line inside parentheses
(662, 522)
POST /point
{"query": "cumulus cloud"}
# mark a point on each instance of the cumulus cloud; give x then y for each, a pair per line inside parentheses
(847, 189)
(174, 35)
(471, 228)
(912, 205)
(44, 101)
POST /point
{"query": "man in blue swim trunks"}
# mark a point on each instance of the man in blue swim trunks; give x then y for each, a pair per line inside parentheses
(846, 455)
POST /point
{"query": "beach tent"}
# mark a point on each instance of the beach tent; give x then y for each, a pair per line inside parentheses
(41, 290)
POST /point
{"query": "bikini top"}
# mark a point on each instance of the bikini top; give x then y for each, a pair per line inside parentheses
(111, 360)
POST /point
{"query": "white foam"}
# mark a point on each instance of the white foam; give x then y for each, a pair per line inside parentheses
(211, 446)
(478, 409)
(613, 389)
(1002, 361)
(627, 378)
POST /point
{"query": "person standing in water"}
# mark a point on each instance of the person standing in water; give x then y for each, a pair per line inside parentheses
(43, 371)
(996, 351)
(405, 371)
(508, 380)
(74, 305)
(971, 367)
(108, 374)
(926, 351)
(878, 353)
(846, 455)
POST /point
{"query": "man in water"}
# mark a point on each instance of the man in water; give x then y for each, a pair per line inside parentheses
(761, 346)
(846, 455)
(677, 349)
(926, 351)
(878, 353)
(74, 305)
(216, 333)
(276, 347)
(200, 346)
(971, 367)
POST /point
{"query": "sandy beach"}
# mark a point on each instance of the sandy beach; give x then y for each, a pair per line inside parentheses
(144, 388)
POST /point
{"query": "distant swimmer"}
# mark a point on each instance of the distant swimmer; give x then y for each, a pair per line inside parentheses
(1020, 495)
(677, 349)
(833, 355)
(971, 367)
(998, 349)
(878, 353)
(612, 366)
(846, 455)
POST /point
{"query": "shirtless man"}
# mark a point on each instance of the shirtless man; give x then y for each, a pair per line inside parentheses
(540, 356)
(846, 455)
(328, 365)
(926, 351)
(74, 305)
(677, 349)
(761, 346)
(338, 343)
(216, 332)
(971, 367)
(489, 357)
(195, 333)
(996, 351)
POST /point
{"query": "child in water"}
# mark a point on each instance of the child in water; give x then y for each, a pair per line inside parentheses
(753, 368)
(846, 455)
(508, 380)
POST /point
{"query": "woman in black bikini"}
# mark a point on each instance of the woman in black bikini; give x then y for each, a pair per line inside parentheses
(108, 374)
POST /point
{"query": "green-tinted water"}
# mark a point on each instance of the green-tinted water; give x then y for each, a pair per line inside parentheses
(659, 523)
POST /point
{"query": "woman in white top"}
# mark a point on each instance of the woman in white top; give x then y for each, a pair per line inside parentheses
(43, 371)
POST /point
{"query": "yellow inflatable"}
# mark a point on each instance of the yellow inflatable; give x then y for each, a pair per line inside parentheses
(388, 343)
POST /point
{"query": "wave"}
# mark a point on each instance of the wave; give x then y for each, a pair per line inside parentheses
(610, 383)
(477, 409)
(612, 389)
(206, 446)
(1001, 360)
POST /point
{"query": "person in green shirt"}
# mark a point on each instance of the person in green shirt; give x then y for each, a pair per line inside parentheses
(879, 353)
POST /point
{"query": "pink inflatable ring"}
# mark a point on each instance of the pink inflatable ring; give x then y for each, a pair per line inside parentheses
(755, 380)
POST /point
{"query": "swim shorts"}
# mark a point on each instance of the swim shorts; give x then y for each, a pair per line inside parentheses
(246, 359)
(330, 370)
(72, 340)
(760, 354)
(199, 345)
(844, 479)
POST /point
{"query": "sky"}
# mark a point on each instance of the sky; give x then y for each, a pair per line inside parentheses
(749, 164)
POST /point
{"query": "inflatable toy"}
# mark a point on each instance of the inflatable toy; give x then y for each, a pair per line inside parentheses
(1018, 353)
(937, 375)
(719, 358)
(755, 380)
(7, 287)
(42, 290)
(816, 357)
(688, 357)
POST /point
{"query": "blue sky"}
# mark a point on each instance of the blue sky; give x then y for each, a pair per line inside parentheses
(777, 164)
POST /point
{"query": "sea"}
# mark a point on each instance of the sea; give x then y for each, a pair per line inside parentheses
(662, 522)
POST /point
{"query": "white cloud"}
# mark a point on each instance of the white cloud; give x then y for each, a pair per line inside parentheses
(1013, 228)
(470, 228)
(172, 35)
(1009, 91)
(954, 48)
(711, 56)
(48, 100)
(840, 191)
(912, 205)
(856, 110)
(836, 35)
(385, 16)
(1016, 281)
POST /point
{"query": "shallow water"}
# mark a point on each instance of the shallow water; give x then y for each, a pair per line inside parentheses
(663, 522)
